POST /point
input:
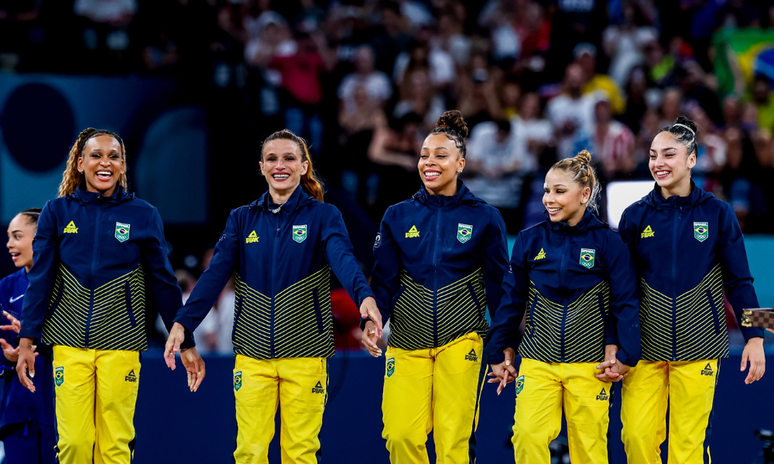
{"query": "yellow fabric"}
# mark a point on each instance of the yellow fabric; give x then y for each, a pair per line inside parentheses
(432, 389)
(96, 394)
(300, 387)
(610, 87)
(688, 388)
(542, 389)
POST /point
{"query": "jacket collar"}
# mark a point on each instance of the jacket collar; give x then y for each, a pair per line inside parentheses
(696, 197)
(84, 196)
(298, 199)
(463, 196)
(588, 222)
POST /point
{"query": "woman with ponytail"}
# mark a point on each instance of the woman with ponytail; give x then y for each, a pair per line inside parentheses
(282, 249)
(439, 259)
(688, 251)
(100, 259)
(568, 275)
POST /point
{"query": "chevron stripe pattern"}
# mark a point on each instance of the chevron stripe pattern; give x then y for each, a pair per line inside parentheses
(460, 308)
(117, 315)
(699, 321)
(584, 327)
(303, 321)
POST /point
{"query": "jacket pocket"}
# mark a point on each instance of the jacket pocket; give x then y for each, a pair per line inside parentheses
(602, 309)
(714, 309)
(396, 298)
(317, 310)
(128, 297)
(476, 301)
(57, 298)
(532, 309)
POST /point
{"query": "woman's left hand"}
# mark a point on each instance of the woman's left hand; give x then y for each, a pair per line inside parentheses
(369, 310)
(15, 324)
(612, 369)
(753, 352)
(176, 337)
(194, 366)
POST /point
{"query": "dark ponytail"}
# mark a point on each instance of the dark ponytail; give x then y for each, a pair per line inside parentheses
(684, 130)
(32, 214)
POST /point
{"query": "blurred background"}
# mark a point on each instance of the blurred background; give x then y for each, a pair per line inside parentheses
(194, 86)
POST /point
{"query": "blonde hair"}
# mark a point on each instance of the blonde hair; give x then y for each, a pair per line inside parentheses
(71, 178)
(310, 182)
(583, 174)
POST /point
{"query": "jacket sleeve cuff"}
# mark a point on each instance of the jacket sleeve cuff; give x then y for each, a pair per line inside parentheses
(752, 332)
(630, 361)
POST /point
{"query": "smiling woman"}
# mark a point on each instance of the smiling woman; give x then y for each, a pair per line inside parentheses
(99, 255)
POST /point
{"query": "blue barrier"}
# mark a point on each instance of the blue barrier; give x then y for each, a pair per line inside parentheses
(176, 426)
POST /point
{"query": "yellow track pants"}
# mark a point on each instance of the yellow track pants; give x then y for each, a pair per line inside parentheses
(542, 389)
(299, 386)
(434, 389)
(96, 394)
(688, 388)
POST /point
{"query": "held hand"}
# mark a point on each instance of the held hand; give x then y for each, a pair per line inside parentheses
(15, 324)
(194, 366)
(504, 373)
(753, 352)
(11, 353)
(369, 310)
(25, 363)
(612, 369)
(176, 337)
(369, 339)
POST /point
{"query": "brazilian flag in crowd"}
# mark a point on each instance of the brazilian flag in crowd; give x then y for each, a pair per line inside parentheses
(741, 54)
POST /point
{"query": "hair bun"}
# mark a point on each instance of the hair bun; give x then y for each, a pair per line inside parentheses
(584, 157)
(682, 120)
(453, 120)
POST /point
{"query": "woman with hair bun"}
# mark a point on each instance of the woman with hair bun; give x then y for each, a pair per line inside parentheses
(282, 249)
(687, 248)
(439, 259)
(568, 275)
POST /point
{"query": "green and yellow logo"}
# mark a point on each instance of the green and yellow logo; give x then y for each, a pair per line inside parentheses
(299, 233)
(464, 232)
(131, 377)
(59, 376)
(587, 257)
(390, 367)
(252, 238)
(701, 231)
(237, 380)
(471, 356)
(603, 396)
(541, 255)
(70, 229)
(412, 233)
(122, 231)
(318, 388)
(647, 233)
(707, 370)
(519, 384)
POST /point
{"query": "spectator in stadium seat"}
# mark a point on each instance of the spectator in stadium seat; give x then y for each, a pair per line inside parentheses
(586, 56)
(376, 84)
(571, 111)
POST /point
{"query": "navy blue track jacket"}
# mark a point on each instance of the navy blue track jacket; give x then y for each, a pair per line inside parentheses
(19, 405)
(685, 250)
(95, 259)
(283, 262)
(438, 262)
(568, 280)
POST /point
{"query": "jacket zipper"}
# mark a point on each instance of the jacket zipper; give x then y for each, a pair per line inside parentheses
(273, 290)
(435, 275)
(562, 271)
(94, 267)
(676, 212)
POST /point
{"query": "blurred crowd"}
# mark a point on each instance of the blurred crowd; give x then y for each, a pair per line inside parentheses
(364, 81)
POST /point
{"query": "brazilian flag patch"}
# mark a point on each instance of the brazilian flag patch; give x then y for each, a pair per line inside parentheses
(587, 257)
(700, 231)
(59, 376)
(237, 380)
(464, 232)
(299, 233)
(122, 231)
(390, 367)
(519, 384)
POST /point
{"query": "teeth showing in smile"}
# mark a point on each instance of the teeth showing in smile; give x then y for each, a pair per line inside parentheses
(432, 175)
(553, 210)
(281, 176)
(662, 173)
(104, 173)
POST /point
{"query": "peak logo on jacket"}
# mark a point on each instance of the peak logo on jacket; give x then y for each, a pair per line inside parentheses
(412, 233)
(299, 233)
(252, 238)
(707, 370)
(541, 255)
(471, 356)
(647, 233)
(131, 377)
(603, 396)
(318, 388)
(70, 229)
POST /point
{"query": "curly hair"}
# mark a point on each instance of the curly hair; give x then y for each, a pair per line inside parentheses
(71, 178)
